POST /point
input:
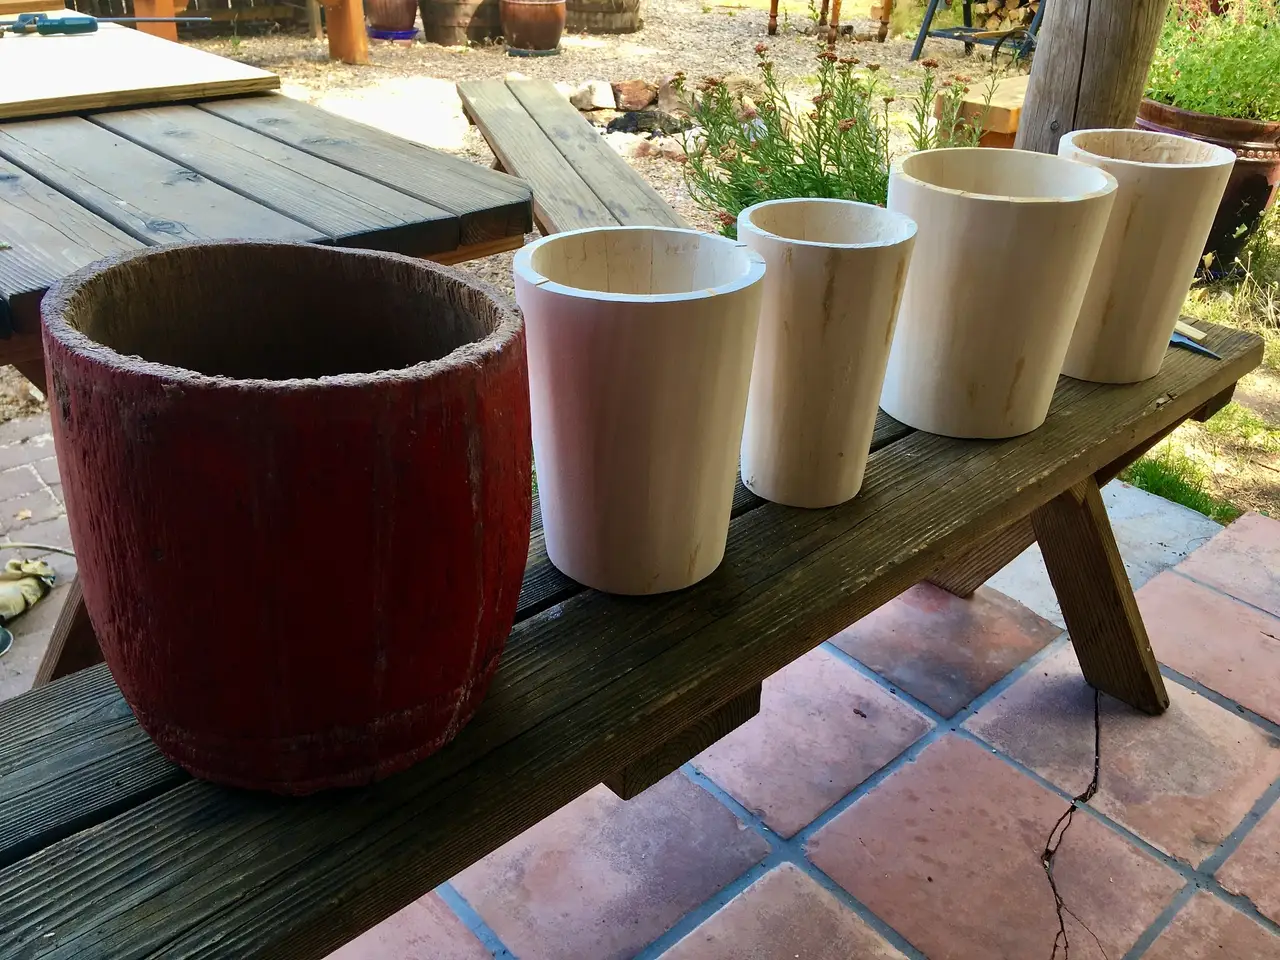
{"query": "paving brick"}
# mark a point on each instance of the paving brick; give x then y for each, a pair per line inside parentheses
(17, 481)
(48, 470)
(944, 650)
(18, 514)
(1227, 645)
(1254, 869)
(1208, 929)
(28, 451)
(55, 532)
(24, 428)
(947, 850)
(822, 729)
(425, 930)
(784, 914)
(602, 877)
(1182, 781)
(1243, 560)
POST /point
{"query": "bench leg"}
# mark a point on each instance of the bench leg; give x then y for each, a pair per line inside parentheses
(73, 645)
(773, 17)
(1097, 601)
(834, 29)
(647, 770)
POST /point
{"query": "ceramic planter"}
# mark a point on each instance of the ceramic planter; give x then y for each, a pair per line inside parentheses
(1254, 180)
(1007, 242)
(835, 276)
(298, 483)
(1169, 192)
(640, 347)
(532, 28)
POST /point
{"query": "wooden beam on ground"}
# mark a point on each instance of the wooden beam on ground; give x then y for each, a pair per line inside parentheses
(348, 41)
(73, 645)
(1090, 66)
(314, 25)
(156, 8)
(1096, 598)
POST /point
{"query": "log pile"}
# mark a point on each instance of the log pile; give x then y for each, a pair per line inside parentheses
(1004, 14)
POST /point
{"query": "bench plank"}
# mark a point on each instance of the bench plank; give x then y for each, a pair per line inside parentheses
(629, 198)
(585, 689)
(561, 198)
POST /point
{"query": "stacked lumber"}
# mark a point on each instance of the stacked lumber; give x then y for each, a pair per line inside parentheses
(1005, 14)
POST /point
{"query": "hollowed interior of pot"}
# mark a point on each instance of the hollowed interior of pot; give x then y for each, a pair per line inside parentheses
(642, 262)
(1018, 174)
(837, 222)
(1146, 146)
(278, 311)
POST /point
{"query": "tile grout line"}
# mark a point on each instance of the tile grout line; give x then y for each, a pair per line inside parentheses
(1162, 921)
(1220, 592)
(471, 919)
(1231, 706)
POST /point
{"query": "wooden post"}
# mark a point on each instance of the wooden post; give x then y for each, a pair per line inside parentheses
(157, 8)
(1090, 68)
(73, 645)
(314, 26)
(348, 41)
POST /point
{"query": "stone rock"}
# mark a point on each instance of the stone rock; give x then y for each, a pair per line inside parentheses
(566, 90)
(602, 118)
(669, 98)
(669, 148)
(740, 85)
(625, 144)
(594, 95)
(634, 94)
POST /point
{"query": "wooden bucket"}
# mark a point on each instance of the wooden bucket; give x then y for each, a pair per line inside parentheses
(603, 16)
(456, 23)
(640, 346)
(977, 353)
(298, 483)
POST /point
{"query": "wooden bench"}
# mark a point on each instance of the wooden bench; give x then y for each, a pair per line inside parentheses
(577, 179)
(108, 850)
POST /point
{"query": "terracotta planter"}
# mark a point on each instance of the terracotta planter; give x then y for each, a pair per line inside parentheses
(393, 16)
(640, 346)
(1254, 180)
(1169, 191)
(298, 482)
(532, 28)
(835, 275)
(1007, 243)
(459, 22)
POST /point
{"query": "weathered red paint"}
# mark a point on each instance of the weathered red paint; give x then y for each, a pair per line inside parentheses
(297, 583)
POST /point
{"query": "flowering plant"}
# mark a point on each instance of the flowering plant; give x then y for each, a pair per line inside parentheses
(836, 145)
(1219, 57)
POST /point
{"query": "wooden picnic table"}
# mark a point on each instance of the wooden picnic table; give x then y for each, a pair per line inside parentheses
(108, 850)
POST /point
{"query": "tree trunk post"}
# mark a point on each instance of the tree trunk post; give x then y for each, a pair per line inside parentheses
(1090, 68)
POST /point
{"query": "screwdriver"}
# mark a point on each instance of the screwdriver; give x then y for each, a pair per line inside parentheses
(47, 26)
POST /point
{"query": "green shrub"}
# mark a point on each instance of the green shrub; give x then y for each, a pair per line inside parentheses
(1177, 477)
(1226, 64)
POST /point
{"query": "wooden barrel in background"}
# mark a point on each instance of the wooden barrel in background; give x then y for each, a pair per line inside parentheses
(603, 16)
(459, 22)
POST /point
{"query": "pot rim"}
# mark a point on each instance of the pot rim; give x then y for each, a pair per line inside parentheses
(907, 226)
(524, 270)
(1258, 126)
(1223, 156)
(1110, 184)
(63, 293)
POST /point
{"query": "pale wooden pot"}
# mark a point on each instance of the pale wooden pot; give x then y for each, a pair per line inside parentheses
(640, 348)
(1170, 189)
(1007, 241)
(835, 276)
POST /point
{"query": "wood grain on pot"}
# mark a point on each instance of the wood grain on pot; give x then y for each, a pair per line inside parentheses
(970, 359)
(640, 347)
(298, 482)
(835, 275)
(1169, 191)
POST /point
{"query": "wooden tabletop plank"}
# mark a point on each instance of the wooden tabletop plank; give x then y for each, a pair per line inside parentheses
(342, 205)
(561, 198)
(148, 197)
(489, 204)
(46, 235)
(201, 871)
(629, 198)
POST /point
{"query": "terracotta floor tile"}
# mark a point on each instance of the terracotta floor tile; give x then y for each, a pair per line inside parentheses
(784, 914)
(425, 930)
(1208, 929)
(1254, 869)
(1182, 781)
(602, 877)
(947, 851)
(1228, 646)
(1243, 560)
(822, 729)
(943, 650)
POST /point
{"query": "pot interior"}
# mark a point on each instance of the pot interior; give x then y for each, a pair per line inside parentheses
(277, 311)
(641, 262)
(1017, 174)
(1147, 146)
(839, 222)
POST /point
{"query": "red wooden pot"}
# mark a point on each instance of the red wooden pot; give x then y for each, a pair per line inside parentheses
(298, 482)
(391, 15)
